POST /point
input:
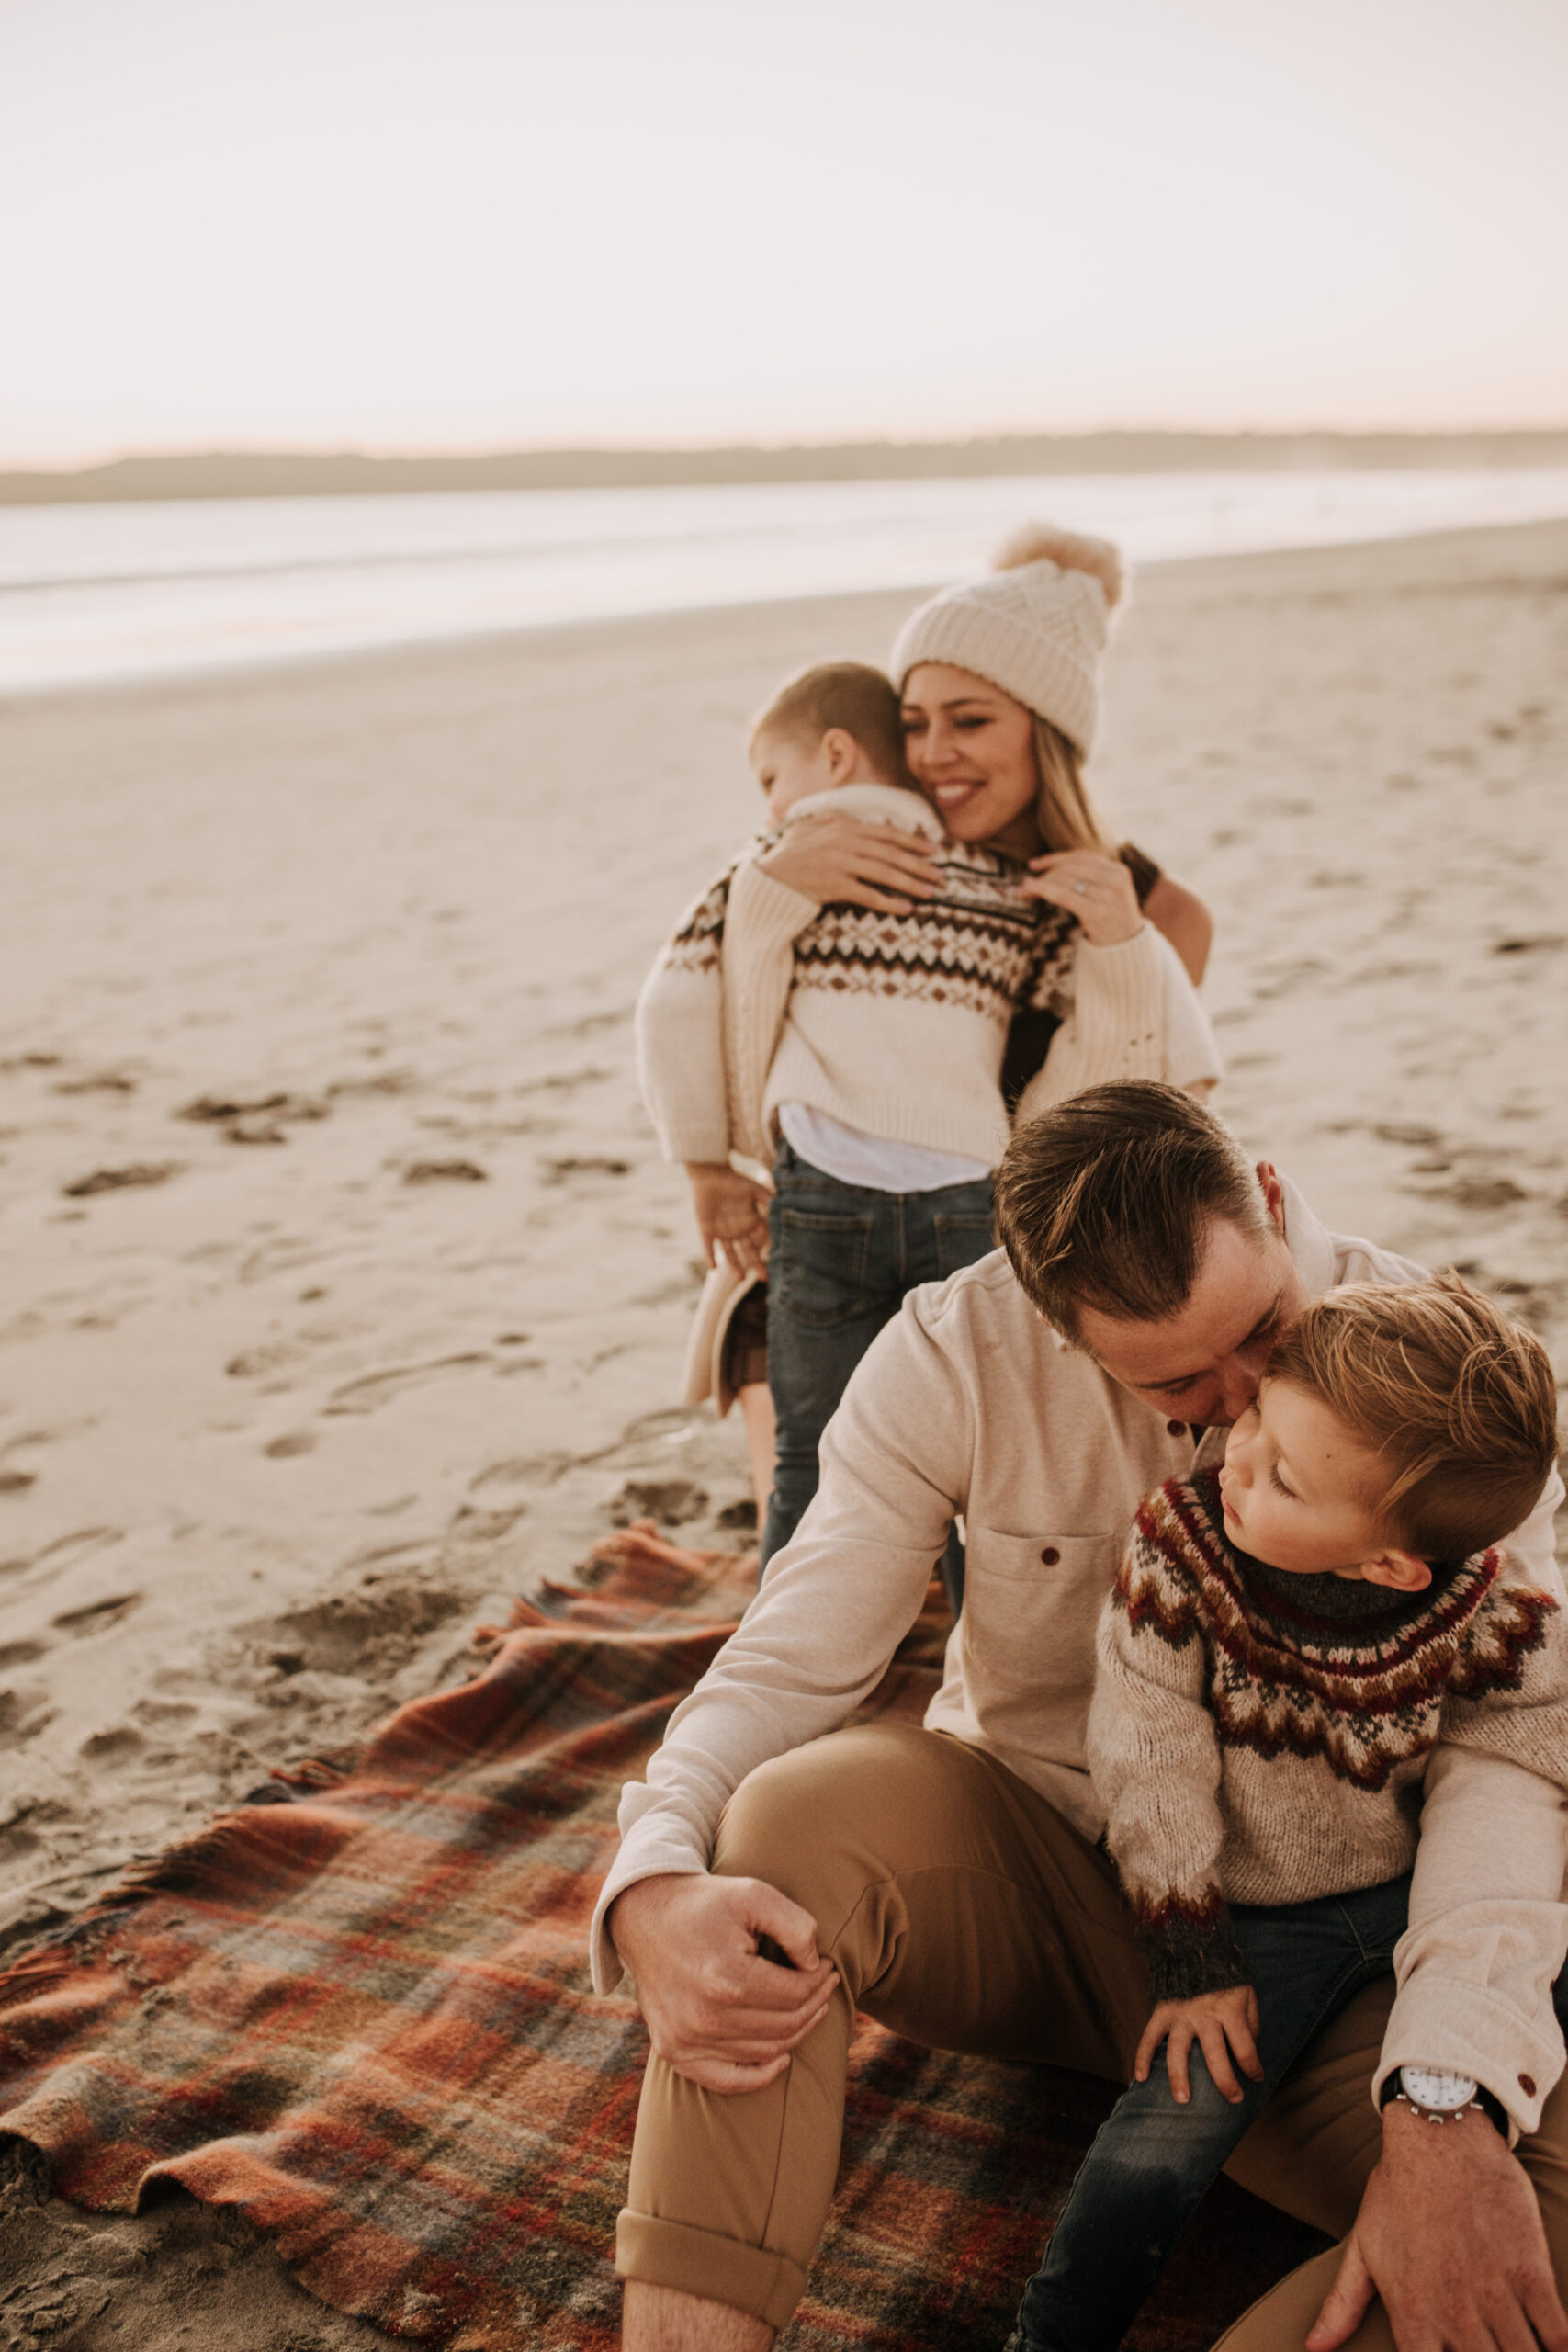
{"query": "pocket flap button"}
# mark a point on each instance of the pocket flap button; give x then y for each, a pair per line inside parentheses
(1050, 1555)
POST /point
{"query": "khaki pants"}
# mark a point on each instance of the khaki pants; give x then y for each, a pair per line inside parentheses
(964, 1913)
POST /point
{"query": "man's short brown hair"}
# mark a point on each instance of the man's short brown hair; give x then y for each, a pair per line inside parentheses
(1106, 1201)
(850, 694)
(1457, 1399)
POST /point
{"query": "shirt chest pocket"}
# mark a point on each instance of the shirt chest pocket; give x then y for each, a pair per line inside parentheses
(1030, 1604)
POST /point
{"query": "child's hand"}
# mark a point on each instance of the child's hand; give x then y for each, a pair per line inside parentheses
(1222, 2022)
(1098, 890)
(732, 1216)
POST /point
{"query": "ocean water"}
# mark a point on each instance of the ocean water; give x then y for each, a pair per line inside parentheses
(91, 593)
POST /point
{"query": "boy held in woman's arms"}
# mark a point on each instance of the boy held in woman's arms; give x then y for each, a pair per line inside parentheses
(868, 1048)
(1294, 1643)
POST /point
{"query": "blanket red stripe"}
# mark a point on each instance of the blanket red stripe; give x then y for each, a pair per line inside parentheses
(363, 2016)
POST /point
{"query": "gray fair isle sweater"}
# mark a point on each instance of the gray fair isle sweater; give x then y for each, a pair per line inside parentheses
(1262, 1737)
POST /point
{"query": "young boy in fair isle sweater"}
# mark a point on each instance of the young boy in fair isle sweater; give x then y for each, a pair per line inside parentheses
(859, 1053)
(1292, 1642)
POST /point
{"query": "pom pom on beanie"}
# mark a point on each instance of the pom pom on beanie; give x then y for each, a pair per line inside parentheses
(1069, 551)
(1036, 626)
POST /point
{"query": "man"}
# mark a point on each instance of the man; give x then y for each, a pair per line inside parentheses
(946, 1879)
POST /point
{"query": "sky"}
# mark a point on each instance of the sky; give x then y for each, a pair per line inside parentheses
(463, 224)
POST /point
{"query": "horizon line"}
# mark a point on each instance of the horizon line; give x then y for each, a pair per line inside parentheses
(237, 470)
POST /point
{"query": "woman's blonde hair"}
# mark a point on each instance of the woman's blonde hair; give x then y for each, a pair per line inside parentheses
(1064, 810)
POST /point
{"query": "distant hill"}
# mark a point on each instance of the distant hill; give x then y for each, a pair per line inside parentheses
(242, 473)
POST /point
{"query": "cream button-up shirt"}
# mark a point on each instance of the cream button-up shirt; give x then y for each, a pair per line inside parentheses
(967, 1402)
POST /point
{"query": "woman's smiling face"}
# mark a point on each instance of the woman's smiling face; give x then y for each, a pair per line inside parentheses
(970, 750)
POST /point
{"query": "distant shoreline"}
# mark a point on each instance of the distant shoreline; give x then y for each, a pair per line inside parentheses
(344, 473)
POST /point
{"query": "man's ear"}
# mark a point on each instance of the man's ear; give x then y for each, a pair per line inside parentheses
(1401, 1571)
(841, 752)
(1273, 1192)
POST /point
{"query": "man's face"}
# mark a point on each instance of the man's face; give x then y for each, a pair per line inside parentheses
(1204, 1364)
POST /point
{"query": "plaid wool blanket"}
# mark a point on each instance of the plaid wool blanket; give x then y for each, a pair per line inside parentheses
(362, 2015)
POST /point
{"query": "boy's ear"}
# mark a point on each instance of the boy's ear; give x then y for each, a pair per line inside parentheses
(1401, 1571)
(841, 752)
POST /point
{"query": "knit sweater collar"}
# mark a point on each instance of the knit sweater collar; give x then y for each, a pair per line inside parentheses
(1328, 1604)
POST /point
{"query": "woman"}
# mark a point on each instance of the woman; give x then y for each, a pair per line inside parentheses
(1001, 687)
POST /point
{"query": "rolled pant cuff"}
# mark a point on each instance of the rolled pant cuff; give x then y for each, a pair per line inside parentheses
(699, 2262)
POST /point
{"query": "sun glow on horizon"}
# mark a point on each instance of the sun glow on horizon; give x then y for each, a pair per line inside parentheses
(434, 226)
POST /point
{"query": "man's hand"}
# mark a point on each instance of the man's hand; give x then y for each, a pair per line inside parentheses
(1449, 2235)
(731, 1214)
(1222, 2022)
(716, 2010)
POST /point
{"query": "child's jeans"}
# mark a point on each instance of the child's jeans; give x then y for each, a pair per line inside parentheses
(1153, 2160)
(841, 1258)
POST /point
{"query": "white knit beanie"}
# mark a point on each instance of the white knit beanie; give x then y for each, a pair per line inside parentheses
(1036, 626)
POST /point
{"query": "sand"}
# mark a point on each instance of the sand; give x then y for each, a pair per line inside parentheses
(348, 1291)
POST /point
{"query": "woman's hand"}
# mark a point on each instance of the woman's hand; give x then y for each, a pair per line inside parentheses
(842, 861)
(1098, 890)
(732, 1216)
(1222, 2023)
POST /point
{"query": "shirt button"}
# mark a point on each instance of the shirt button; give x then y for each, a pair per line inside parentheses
(1050, 1556)
(1177, 1429)
(1527, 2084)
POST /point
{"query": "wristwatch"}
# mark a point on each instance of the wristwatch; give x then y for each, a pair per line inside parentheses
(1439, 2097)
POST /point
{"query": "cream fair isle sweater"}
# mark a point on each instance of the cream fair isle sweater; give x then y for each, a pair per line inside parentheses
(896, 1024)
(1261, 1737)
(967, 1402)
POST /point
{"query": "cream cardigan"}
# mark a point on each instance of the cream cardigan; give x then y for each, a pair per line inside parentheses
(894, 1023)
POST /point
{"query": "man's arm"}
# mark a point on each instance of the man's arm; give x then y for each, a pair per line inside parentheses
(821, 1633)
(1450, 2231)
(1488, 1922)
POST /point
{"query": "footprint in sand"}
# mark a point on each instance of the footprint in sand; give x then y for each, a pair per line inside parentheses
(67, 1550)
(105, 1081)
(444, 1171)
(560, 1171)
(96, 1616)
(364, 1634)
(376, 1388)
(671, 1502)
(256, 1118)
(141, 1173)
(111, 1746)
(24, 1712)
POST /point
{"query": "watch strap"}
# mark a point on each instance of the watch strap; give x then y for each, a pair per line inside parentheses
(1491, 2107)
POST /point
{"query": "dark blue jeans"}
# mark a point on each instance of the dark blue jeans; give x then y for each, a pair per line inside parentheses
(840, 1260)
(1153, 2160)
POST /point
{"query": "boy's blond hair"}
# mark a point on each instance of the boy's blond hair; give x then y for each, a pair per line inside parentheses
(850, 694)
(1458, 1400)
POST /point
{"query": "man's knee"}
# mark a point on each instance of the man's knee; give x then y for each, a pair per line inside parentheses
(829, 1819)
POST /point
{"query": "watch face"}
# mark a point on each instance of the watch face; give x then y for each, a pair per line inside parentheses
(1427, 2087)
